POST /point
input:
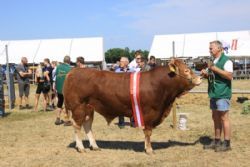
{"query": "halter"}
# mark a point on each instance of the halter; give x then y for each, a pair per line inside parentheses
(182, 76)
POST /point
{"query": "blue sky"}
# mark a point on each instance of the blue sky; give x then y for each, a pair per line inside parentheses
(122, 23)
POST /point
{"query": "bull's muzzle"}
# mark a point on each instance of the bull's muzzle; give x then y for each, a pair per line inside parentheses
(197, 80)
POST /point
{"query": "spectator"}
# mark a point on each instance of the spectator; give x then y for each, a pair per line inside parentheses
(48, 68)
(24, 73)
(152, 62)
(123, 67)
(143, 65)
(61, 72)
(115, 66)
(53, 95)
(41, 78)
(134, 64)
(80, 62)
(219, 74)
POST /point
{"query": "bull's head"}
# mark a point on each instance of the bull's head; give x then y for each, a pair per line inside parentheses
(178, 68)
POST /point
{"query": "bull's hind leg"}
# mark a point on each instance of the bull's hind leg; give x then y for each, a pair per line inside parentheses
(77, 124)
(87, 124)
(79, 145)
(148, 147)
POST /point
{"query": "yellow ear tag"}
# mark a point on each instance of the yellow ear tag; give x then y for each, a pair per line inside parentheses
(171, 68)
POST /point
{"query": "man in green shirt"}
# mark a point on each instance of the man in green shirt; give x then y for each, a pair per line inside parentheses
(61, 72)
(219, 74)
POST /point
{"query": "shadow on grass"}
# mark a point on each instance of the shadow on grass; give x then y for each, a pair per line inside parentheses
(6, 114)
(20, 116)
(205, 140)
(136, 146)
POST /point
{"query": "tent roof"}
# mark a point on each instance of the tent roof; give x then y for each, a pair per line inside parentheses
(55, 49)
(196, 44)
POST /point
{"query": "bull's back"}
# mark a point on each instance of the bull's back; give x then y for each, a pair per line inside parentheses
(85, 84)
(77, 81)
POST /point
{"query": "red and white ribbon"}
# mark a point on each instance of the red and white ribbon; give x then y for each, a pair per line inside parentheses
(234, 44)
(135, 99)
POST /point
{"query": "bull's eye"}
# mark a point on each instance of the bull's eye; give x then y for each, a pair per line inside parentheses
(187, 71)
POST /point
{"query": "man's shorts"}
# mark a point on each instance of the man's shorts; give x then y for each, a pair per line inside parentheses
(24, 88)
(60, 100)
(219, 104)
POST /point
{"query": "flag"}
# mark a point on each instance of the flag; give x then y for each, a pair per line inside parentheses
(234, 44)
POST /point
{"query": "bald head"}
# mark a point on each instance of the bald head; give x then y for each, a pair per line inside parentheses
(24, 60)
(124, 61)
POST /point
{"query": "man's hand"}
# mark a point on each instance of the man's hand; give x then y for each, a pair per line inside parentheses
(204, 73)
(29, 72)
(210, 64)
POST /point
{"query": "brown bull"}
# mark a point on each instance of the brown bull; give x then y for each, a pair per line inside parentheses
(89, 90)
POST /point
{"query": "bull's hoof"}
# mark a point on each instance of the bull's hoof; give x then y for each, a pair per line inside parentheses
(94, 148)
(81, 150)
(149, 152)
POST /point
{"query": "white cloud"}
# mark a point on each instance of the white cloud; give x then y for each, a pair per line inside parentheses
(180, 16)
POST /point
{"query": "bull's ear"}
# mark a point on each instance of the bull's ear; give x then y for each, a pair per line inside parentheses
(172, 67)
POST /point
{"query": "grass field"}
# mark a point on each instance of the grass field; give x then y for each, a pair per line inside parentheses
(31, 139)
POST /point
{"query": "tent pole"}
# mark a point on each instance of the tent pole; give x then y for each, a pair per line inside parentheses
(70, 47)
(174, 105)
(33, 75)
(8, 75)
(184, 43)
(245, 68)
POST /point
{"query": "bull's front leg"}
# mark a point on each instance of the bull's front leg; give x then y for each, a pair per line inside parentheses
(148, 147)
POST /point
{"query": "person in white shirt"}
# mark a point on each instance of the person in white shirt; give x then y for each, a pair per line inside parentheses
(134, 64)
(220, 75)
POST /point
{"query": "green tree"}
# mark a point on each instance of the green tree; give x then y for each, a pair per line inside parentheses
(114, 54)
(144, 54)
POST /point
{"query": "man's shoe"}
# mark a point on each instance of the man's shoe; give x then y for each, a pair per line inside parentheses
(28, 106)
(58, 121)
(53, 106)
(49, 108)
(121, 125)
(132, 124)
(223, 147)
(21, 107)
(67, 123)
(212, 145)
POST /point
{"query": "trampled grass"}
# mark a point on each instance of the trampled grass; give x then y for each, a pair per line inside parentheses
(32, 139)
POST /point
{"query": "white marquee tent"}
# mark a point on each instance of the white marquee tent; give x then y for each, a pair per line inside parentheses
(196, 44)
(92, 49)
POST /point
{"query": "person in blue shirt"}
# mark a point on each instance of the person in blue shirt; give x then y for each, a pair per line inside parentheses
(123, 67)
